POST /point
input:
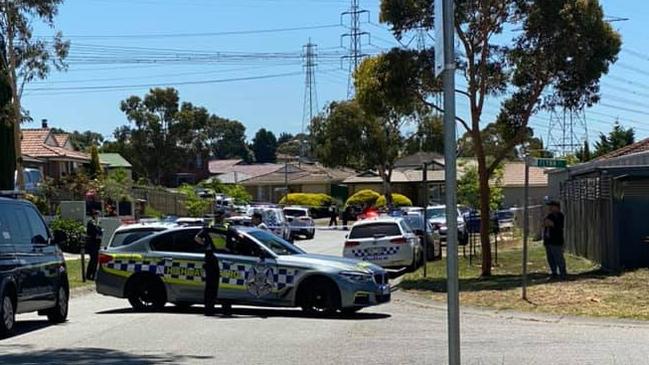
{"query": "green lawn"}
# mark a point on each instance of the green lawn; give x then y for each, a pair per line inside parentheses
(74, 274)
(588, 290)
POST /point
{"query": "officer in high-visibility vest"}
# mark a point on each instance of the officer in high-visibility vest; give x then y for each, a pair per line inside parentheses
(212, 271)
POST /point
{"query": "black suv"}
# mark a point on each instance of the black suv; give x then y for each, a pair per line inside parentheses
(33, 275)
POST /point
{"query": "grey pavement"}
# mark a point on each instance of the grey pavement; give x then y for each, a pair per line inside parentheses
(409, 330)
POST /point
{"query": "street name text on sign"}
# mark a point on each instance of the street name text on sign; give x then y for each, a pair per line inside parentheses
(549, 162)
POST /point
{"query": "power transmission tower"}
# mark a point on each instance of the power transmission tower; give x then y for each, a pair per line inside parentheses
(310, 92)
(567, 132)
(355, 36)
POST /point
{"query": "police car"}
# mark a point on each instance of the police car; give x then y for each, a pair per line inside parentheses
(384, 241)
(257, 268)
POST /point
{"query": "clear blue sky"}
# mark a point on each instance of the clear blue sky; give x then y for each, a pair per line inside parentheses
(100, 33)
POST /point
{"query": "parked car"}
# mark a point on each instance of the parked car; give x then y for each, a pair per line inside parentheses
(436, 215)
(32, 178)
(300, 221)
(33, 274)
(257, 268)
(432, 237)
(385, 241)
(129, 233)
(275, 220)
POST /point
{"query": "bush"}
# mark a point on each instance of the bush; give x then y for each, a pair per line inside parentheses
(151, 212)
(398, 200)
(40, 203)
(195, 205)
(364, 197)
(306, 199)
(75, 231)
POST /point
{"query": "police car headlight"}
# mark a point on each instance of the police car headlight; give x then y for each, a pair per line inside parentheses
(356, 276)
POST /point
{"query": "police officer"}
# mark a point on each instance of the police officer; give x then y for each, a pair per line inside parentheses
(93, 241)
(212, 274)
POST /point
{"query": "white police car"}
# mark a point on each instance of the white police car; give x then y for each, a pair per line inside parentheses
(385, 241)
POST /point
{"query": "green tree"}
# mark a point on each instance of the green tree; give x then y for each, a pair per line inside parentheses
(26, 58)
(227, 139)
(429, 136)
(468, 189)
(264, 146)
(82, 141)
(7, 149)
(285, 137)
(583, 154)
(616, 139)
(537, 68)
(94, 168)
(195, 205)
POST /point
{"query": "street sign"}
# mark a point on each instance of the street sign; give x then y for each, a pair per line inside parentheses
(440, 61)
(550, 162)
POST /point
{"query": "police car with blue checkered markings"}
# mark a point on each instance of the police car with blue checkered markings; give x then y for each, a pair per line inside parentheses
(386, 241)
(256, 267)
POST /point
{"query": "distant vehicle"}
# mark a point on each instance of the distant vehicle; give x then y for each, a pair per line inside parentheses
(257, 268)
(275, 220)
(33, 179)
(432, 237)
(436, 215)
(386, 241)
(409, 210)
(239, 220)
(33, 274)
(300, 221)
(505, 219)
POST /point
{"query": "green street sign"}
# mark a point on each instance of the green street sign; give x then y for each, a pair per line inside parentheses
(549, 162)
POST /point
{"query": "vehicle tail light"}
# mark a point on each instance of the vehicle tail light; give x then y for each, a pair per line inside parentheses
(104, 258)
(351, 244)
(400, 240)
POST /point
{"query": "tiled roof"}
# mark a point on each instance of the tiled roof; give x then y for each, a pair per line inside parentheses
(61, 139)
(640, 146)
(114, 160)
(302, 174)
(222, 166)
(418, 159)
(34, 144)
(514, 175)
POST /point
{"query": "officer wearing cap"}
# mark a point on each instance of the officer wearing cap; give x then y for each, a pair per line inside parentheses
(212, 272)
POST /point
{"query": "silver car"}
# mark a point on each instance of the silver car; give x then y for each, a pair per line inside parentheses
(257, 268)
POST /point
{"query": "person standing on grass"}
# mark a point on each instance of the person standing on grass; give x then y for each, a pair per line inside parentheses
(93, 241)
(553, 240)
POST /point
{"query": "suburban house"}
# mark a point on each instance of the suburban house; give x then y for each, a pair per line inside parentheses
(606, 202)
(51, 153)
(267, 182)
(115, 161)
(513, 185)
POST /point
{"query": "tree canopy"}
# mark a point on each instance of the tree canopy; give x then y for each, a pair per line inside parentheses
(264, 146)
(617, 138)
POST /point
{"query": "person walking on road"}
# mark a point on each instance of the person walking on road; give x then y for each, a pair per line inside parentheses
(212, 272)
(553, 240)
(333, 214)
(93, 241)
(258, 222)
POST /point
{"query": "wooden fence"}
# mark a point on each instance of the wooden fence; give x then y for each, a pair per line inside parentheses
(166, 202)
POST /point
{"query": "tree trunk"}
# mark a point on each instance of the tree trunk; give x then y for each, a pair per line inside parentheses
(387, 186)
(485, 218)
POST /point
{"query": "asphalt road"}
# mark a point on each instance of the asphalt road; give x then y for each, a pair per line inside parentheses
(104, 330)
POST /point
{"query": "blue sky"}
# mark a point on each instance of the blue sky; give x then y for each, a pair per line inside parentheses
(257, 77)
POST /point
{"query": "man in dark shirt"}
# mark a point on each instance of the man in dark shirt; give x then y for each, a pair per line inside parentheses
(212, 273)
(553, 240)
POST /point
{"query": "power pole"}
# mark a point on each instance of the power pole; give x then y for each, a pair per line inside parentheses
(567, 132)
(355, 36)
(310, 108)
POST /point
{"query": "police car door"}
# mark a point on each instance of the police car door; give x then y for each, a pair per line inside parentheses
(180, 263)
(247, 271)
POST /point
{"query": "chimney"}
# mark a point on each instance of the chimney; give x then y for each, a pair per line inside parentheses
(44, 123)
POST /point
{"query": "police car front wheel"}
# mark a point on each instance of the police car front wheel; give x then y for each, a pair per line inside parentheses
(320, 298)
(146, 294)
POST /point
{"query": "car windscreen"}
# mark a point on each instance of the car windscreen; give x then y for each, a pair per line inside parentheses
(275, 244)
(436, 213)
(375, 229)
(415, 221)
(295, 212)
(127, 237)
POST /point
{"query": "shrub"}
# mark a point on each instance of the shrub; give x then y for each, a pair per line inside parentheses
(307, 199)
(75, 231)
(397, 199)
(195, 205)
(364, 197)
(40, 203)
(151, 212)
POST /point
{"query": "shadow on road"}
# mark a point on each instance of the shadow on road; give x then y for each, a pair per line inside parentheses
(29, 326)
(245, 312)
(96, 356)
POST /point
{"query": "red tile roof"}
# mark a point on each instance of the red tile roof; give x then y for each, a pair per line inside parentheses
(637, 147)
(34, 145)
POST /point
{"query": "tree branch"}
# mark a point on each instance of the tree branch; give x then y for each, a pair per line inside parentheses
(432, 105)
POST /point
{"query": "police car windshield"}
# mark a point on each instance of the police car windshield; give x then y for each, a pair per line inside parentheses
(127, 237)
(295, 212)
(436, 213)
(276, 244)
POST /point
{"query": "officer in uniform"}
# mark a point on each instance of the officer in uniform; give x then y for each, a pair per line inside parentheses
(212, 273)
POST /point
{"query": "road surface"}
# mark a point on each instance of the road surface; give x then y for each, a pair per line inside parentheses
(409, 330)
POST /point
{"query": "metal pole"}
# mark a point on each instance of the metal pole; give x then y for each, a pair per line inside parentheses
(450, 151)
(526, 223)
(286, 179)
(425, 179)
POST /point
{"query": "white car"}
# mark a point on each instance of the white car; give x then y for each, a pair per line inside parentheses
(386, 241)
(300, 221)
(437, 217)
(275, 220)
(128, 233)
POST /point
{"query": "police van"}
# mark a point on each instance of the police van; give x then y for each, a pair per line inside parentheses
(33, 275)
